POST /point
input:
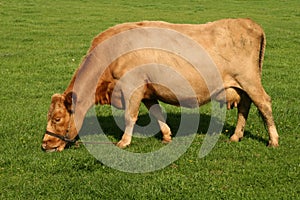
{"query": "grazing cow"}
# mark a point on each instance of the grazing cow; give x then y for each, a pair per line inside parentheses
(236, 46)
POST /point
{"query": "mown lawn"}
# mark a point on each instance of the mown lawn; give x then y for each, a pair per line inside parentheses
(43, 42)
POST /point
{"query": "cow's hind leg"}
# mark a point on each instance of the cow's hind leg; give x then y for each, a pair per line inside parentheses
(243, 111)
(155, 110)
(263, 102)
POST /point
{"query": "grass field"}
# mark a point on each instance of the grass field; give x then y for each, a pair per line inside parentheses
(43, 42)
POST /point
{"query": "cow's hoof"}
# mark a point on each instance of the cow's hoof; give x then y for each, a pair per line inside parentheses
(273, 143)
(235, 138)
(167, 140)
(122, 144)
(125, 141)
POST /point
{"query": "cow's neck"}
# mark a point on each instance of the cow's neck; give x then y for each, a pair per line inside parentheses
(84, 84)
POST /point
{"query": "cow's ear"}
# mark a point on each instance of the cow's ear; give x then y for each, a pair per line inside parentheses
(70, 101)
(56, 98)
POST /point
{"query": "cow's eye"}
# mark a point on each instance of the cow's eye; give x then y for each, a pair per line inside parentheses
(57, 119)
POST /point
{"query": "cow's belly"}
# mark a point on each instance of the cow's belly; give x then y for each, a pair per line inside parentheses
(186, 97)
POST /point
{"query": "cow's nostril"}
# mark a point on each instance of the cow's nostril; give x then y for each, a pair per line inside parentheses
(43, 148)
(44, 145)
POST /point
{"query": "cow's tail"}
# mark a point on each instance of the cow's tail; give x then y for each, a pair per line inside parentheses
(262, 51)
(261, 60)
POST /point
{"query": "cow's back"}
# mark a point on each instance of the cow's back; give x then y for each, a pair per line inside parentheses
(227, 41)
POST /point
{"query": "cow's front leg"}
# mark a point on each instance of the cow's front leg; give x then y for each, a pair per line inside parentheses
(155, 109)
(132, 106)
(126, 138)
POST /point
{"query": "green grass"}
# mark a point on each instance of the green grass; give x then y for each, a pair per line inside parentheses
(43, 42)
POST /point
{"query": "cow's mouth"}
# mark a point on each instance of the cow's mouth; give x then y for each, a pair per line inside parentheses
(49, 150)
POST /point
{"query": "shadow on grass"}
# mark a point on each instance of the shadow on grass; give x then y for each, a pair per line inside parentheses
(111, 128)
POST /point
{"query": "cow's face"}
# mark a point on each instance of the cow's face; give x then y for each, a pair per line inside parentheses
(60, 127)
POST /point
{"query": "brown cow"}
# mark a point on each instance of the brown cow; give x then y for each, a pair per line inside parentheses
(236, 46)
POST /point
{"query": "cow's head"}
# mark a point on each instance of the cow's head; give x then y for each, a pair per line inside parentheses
(60, 127)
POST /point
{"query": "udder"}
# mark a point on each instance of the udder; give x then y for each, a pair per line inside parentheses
(232, 98)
